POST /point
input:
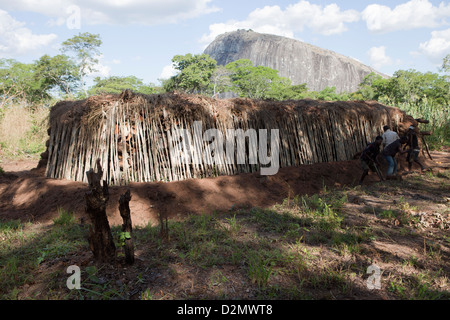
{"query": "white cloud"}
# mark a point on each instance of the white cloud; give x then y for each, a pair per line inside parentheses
(16, 39)
(406, 16)
(437, 47)
(328, 20)
(378, 57)
(57, 22)
(115, 11)
(102, 70)
(168, 72)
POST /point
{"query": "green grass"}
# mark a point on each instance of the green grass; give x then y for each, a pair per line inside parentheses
(439, 117)
(28, 135)
(65, 218)
(24, 247)
(417, 287)
(259, 268)
(303, 248)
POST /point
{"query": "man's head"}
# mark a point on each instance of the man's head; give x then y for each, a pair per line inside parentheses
(386, 128)
(378, 140)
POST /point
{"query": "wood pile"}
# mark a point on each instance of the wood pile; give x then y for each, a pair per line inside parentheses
(132, 134)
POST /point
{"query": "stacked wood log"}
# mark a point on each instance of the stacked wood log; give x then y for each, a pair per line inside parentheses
(132, 134)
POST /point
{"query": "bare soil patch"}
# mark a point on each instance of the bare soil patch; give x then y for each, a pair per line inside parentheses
(26, 194)
(401, 226)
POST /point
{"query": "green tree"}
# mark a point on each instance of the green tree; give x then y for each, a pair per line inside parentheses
(58, 72)
(372, 87)
(116, 84)
(405, 86)
(296, 92)
(170, 84)
(194, 73)
(220, 81)
(446, 64)
(256, 82)
(446, 67)
(413, 86)
(85, 47)
(18, 84)
(329, 94)
(279, 89)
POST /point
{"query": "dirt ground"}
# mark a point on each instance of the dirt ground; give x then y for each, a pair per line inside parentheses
(26, 194)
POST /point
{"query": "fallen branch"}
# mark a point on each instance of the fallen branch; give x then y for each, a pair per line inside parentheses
(426, 147)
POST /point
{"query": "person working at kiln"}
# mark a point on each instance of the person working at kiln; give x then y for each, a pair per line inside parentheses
(389, 154)
(369, 158)
(414, 149)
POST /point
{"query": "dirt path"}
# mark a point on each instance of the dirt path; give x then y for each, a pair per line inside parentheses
(26, 194)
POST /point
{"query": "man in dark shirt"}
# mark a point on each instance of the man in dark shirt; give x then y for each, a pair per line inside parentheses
(369, 157)
(389, 154)
(414, 149)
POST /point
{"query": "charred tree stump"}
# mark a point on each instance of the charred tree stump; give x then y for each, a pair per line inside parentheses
(126, 238)
(100, 237)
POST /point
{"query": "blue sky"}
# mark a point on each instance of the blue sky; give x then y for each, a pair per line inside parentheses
(141, 37)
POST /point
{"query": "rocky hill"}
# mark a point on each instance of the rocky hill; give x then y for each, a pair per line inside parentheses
(294, 59)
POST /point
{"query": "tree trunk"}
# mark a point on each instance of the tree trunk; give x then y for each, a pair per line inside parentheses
(100, 236)
(124, 208)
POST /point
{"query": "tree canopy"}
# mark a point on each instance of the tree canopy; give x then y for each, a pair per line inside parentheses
(18, 83)
(257, 82)
(85, 47)
(115, 84)
(64, 75)
(194, 73)
(406, 86)
(58, 72)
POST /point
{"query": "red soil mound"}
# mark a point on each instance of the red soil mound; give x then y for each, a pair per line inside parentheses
(28, 195)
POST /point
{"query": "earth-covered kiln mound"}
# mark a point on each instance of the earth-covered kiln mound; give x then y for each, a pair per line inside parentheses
(138, 138)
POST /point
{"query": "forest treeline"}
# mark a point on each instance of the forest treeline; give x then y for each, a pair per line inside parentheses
(63, 76)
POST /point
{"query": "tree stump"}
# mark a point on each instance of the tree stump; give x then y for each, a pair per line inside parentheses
(126, 237)
(100, 237)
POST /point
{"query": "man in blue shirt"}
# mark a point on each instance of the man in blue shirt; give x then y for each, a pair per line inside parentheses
(389, 154)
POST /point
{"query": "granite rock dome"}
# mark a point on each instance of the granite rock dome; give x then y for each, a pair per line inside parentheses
(299, 61)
